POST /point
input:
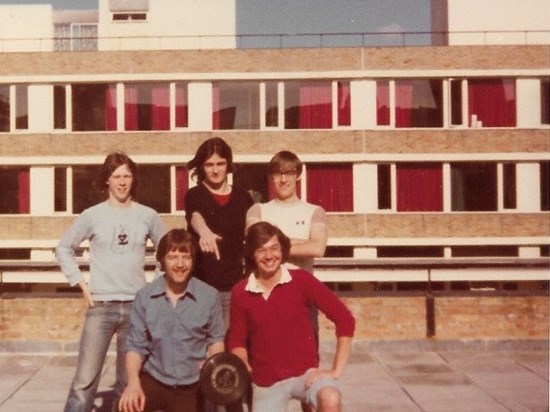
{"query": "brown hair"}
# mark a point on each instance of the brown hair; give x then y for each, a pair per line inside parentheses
(112, 162)
(285, 160)
(176, 239)
(258, 235)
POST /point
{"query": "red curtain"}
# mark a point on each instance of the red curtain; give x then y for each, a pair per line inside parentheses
(160, 107)
(182, 185)
(493, 101)
(403, 103)
(344, 105)
(383, 103)
(23, 191)
(130, 107)
(331, 186)
(420, 187)
(315, 105)
(182, 113)
(110, 108)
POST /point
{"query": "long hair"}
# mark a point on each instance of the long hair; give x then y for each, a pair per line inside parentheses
(258, 235)
(175, 239)
(210, 147)
(112, 162)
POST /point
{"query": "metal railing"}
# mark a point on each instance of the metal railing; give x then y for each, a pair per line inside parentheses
(281, 40)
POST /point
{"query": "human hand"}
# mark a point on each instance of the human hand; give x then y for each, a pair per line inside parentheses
(86, 294)
(208, 242)
(132, 399)
(315, 374)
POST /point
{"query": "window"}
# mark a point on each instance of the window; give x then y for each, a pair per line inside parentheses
(153, 188)
(4, 108)
(15, 189)
(456, 102)
(544, 186)
(330, 186)
(75, 37)
(492, 102)
(383, 103)
(86, 194)
(308, 105)
(147, 106)
(484, 251)
(473, 186)
(344, 104)
(509, 186)
(419, 187)
(236, 105)
(129, 16)
(384, 186)
(182, 185)
(253, 178)
(418, 103)
(94, 107)
(271, 105)
(21, 107)
(409, 251)
(59, 107)
(182, 105)
(60, 189)
(545, 101)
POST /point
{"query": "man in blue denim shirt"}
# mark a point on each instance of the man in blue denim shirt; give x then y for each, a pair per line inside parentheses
(175, 324)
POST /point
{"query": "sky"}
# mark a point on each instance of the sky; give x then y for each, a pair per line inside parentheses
(307, 16)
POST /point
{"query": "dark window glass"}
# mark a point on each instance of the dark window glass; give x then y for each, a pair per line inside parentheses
(153, 189)
(544, 186)
(271, 105)
(85, 194)
(545, 101)
(60, 189)
(21, 107)
(509, 186)
(15, 190)
(473, 186)
(484, 251)
(236, 105)
(94, 107)
(456, 102)
(59, 107)
(384, 187)
(418, 103)
(254, 179)
(4, 108)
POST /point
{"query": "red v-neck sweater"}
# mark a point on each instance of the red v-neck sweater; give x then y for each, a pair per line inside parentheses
(278, 332)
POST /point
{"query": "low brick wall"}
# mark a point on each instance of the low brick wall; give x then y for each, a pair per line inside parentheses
(53, 324)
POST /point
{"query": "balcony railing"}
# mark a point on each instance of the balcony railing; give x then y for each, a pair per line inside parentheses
(279, 40)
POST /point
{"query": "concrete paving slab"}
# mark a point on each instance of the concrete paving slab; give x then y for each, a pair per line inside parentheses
(405, 381)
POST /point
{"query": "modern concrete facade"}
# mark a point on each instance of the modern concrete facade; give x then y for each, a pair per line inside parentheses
(437, 154)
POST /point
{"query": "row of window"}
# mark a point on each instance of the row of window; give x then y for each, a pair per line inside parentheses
(308, 104)
(401, 187)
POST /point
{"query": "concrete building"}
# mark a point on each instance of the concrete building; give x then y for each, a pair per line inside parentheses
(433, 159)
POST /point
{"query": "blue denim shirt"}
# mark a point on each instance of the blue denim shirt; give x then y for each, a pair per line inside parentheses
(173, 340)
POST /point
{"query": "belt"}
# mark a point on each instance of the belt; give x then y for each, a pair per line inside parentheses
(191, 385)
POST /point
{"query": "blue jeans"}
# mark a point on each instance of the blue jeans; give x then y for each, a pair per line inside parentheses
(102, 321)
(275, 398)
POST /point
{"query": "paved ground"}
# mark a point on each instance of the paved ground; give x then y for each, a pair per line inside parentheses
(400, 381)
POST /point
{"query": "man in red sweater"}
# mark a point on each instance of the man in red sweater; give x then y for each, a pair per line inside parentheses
(272, 332)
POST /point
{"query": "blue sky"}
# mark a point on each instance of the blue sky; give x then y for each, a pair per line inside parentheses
(308, 16)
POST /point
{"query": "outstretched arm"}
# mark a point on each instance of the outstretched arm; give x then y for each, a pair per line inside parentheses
(208, 241)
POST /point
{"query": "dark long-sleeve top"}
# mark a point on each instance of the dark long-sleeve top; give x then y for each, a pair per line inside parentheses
(227, 221)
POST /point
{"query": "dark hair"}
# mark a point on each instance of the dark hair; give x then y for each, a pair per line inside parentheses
(176, 239)
(210, 147)
(258, 235)
(112, 162)
(285, 160)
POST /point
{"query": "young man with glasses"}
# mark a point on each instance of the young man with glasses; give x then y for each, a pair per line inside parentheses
(271, 329)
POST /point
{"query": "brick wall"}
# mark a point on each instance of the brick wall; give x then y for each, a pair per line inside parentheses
(55, 322)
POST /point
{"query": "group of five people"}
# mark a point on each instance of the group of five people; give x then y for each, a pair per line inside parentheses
(238, 279)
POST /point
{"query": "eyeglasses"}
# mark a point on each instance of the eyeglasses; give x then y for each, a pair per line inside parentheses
(287, 173)
(272, 250)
